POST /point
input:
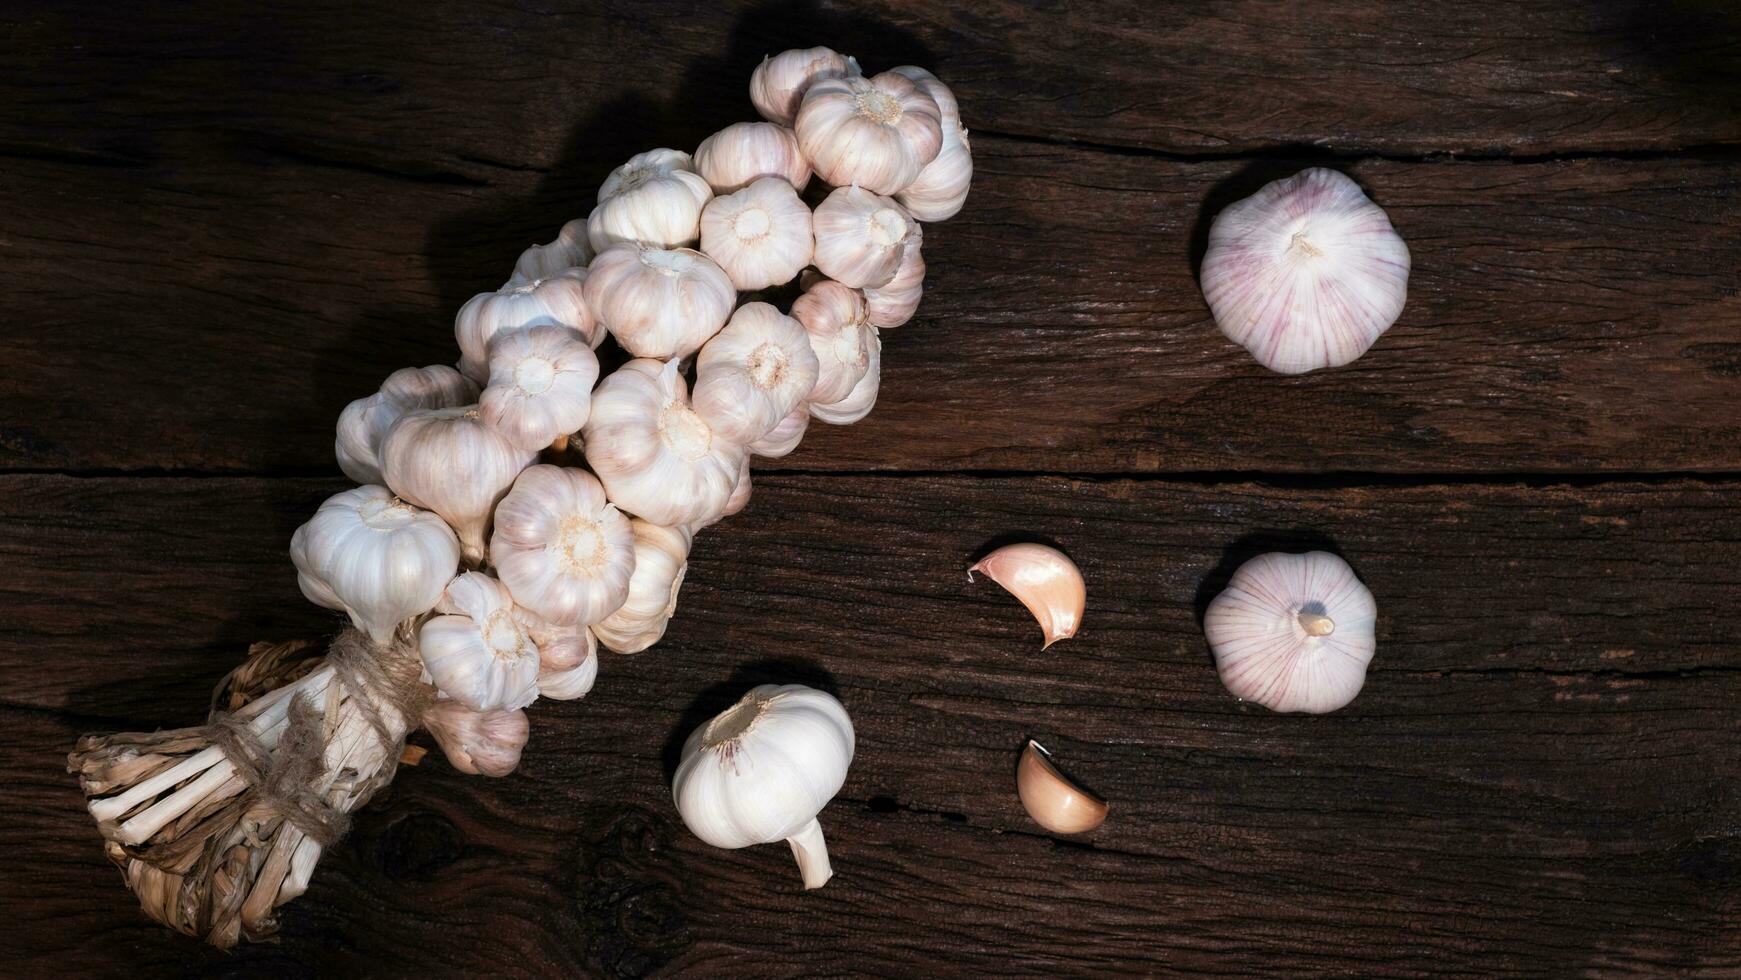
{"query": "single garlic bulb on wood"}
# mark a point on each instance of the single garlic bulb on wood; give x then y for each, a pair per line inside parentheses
(478, 743)
(863, 396)
(478, 653)
(895, 302)
(657, 458)
(778, 84)
(557, 301)
(762, 770)
(760, 235)
(448, 461)
(877, 133)
(1293, 632)
(840, 333)
(540, 386)
(570, 250)
(560, 548)
(861, 237)
(661, 558)
(655, 199)
(753, 373)
(782, 438)
(375, 557)
(941, 188)
(660, 303)
(1306, 273)
(744, 152)
(364, 422)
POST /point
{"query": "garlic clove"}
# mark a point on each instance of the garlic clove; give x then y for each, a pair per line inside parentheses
(753, 373)
(661, 559)
(448, 461)
(559, 300)
(364, 423)
(540, 385)
(941, 188)
(778, 84)
(1045, 580)
(1307, 273)
(1055, 802)
(782, 439)
(895, 302)
(478, 653)
(478, 743)
(741, 153)
(861, 237)
(659, 303)
(560, 548)
(570, 250)
(1293, 632)
(863, 397)
(877, 133)
(375, 557)
(657, 458)
(761, 235)
(655, 199)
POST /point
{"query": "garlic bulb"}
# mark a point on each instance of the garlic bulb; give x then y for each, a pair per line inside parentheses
(1293, 632)
(840, 333)
(778, 84)
(567, 656)
(762, 770)
(656, 457)
(661, 558)
(540, 386)
(570, 250)
(478, 743)
(1306, 273)
(654, 199)
(657, 302)
(782, 438)
(863, 397)
(861, 237)
(560, 548)
(741, 153)
(753, 373)
(895, 302)
(1055, 802)
(760, 235)
(941, 188)
(448, 461)
(375, 557)
(478, 653)
(1045, 580)
(364, 422)
(877, 133)
(558, 301)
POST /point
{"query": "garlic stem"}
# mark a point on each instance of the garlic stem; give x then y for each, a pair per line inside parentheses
(114, 806)
(1316, 624)
(140, 828)
(811, 850)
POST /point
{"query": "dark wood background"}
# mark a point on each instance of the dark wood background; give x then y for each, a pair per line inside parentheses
(220, 222)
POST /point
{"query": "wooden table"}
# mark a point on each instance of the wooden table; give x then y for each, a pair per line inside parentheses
(219, 225)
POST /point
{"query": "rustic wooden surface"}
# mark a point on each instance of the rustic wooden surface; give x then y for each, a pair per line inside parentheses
(218, 226)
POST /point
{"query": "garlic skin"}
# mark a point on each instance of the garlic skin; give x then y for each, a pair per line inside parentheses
(448, 461)
(940, 190)
(478, 743)
(782, 438)
(1055, 802)
(1293, 632)
(763, 769)
(661, 559)
(863, 397)
(540, 386)
(1305, 274)
(560, 548)
(895, 302)
(657, 458)
(877, 132)
(861, 237)
(364, 422)
(570, 250)
(840, 333)
(1045, 580)
(778, 84)
(660, 303)
(753, 373)
(559, 300)
(375, 557)
(744, 152)
(478, 653)
(655, 199)
(760, 235)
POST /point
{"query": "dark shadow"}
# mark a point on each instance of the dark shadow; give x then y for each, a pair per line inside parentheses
(1291, 540)
(717, 698)
(1690, 44)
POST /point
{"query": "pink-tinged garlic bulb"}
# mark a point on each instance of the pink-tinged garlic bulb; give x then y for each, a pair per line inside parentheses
(895, 302)
(745, 152)
(863, 396)
(1306, 273)
(661, 558)
(1045, 580)
(448, 461)
(655, 199)
(877, 133)
(478, 743)
(567, 657)
(861, 237)
(477, 652)
(782, 438)
(778, 84)
(364, 422)
(540, 386)
(371, 555)
(657, 458)
(1293, 632)
(570, 250)
(753, 373)
(558, 301)
(570, 684)
(840, 333)
(660, 303)
(560, 547)
(760, 235)
(941, 188)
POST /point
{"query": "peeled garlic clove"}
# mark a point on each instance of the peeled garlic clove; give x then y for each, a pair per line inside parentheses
(479, 654)
(448, 461)
(895, 302)
(863, 397)
(1293, 632)
(861, 237)
(540, 386)
(657, 458)
(778, 84)
(478, 743)
(781, 439)
(570, 250)
(1055, 802)
(1045, 580)
(375, 557)
(661, 303)
(1306, 273)
(655, 198)
(753, 373)
(877, 132)
(760, 235)
(364, 422)
(941, 188)
(661, 558)
(741, 153)
(840, 333)
(559, 300)
(560, 548)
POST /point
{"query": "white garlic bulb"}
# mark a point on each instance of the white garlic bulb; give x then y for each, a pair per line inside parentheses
(364, 422)
(478, 743)
(778, 84)
(375, 557)
(1306, 273)
(941, 188)
(567, 656)
(478, 653)
(1293, 632)
(559, 300)
(661, 558)
(763, 769)
(861, 237)
(660, 303)
(782, 438)
(570, 250)
(540, 385)
(655, 199)
(753, 373)
(560, 548)
(448, 461)
(744, 152)
(863, 397)
(895, 302)
(840, 333)
(760, 235)
(877, 132)
(657, 458)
